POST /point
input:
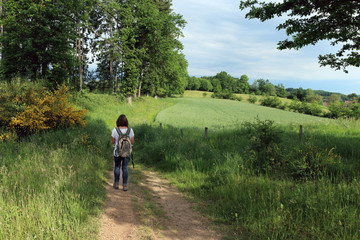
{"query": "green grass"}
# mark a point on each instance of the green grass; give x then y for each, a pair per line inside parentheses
(218, 113)
(219, 175)
(52, 184)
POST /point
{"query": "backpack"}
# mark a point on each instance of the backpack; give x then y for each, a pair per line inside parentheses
(124, 148)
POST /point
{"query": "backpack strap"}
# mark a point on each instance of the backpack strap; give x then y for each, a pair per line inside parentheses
(128, 131)
(119, 132)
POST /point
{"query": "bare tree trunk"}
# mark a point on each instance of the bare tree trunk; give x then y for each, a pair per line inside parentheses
(140, 82)
(1, 27)
(81, 56)
(115, 77)
(1, 13)
(111, 61)
(128, 100)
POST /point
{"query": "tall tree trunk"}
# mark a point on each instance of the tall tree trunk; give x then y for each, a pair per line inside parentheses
(1, 13)
(140, 81)
(81, 56)
(111, 80)
(115, 77)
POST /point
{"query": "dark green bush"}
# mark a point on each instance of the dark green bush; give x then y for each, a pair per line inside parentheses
(310, 162)
(265, 140)
(252, 99)
(269, 101)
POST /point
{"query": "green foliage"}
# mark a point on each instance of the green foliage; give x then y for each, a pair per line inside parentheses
(333, 99)
(314, 98)
(224, 94)
(307, 23)
(38, 39)
(265, 139)
(28, 109)
(252, 98)
(310, 162)
(268, 101)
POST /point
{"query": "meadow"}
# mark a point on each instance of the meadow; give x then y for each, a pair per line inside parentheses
(252, 173)
(217, 114)
(255, 185)
(52, 184)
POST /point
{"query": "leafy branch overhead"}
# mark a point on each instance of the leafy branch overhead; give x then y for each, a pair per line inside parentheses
(311, 21)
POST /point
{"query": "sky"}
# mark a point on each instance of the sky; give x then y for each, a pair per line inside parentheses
(217, 37)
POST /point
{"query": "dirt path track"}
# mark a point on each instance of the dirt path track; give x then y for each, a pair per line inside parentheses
(121, 221)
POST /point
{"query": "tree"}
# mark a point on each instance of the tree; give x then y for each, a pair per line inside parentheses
(227, 82)
(39, 38)
(242, 85)
(314, 98)
(138, 39)
(280, 90)
(353, 97)
(310, 21)
(205, 85)
(333, 98)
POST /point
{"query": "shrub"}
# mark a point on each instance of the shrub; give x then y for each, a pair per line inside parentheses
(296, 106)
(226, 94)
(337, 110)
(252, 99)
(310, 162)
(28, 109)
(268, 101)
(265, 139)
(312, 109)
(239, 98)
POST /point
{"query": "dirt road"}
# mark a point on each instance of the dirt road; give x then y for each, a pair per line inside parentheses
(151, 209)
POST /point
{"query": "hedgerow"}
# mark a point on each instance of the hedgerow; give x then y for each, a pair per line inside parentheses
(28, 108)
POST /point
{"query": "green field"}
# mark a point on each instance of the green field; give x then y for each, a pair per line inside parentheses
(256, 179)
(218, 113)
(264, 183)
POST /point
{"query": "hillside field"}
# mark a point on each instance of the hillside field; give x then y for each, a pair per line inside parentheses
(281, 190)
(218, 113)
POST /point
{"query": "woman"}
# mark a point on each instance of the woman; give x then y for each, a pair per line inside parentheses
(122, 125)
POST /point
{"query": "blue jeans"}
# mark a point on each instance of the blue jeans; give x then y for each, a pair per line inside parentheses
(123, 162)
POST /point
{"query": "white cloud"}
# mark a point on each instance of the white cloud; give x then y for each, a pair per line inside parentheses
(219, 38)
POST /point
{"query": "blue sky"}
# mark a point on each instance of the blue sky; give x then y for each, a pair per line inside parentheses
(218, 38)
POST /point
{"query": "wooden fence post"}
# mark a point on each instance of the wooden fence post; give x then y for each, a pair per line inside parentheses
(301, 134)
(206, 131)
(181, 130)
(160, 125)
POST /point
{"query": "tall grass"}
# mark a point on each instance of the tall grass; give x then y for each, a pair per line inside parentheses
(52, 184)
(312, 194)
(258, 206)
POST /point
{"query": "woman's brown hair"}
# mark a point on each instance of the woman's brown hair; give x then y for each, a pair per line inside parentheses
(122, 121)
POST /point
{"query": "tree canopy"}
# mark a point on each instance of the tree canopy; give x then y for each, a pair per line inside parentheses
(310, 21)
(134, 42)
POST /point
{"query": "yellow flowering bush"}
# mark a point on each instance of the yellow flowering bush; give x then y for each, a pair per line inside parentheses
(28, 109)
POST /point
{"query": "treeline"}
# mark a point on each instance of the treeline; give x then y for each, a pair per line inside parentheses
(134, 43)
(223, 85)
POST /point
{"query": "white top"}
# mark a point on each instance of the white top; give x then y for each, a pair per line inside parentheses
(115, 135)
